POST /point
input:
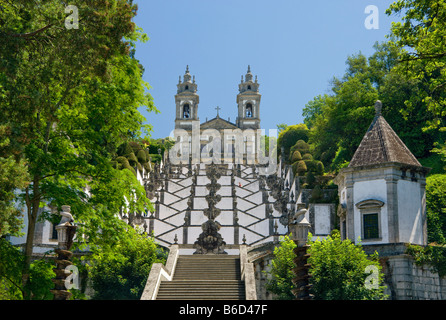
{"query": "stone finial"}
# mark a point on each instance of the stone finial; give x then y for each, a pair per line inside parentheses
(378, 107)
(248, 76)
(187, 77)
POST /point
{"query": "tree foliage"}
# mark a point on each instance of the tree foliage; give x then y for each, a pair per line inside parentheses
(436, 208)
(340, 270)
(70, 97)
(41, 272)
(281, 274)
(289, 135)
(339, 120)
(13, 175)
(121, 271)
(421, 33)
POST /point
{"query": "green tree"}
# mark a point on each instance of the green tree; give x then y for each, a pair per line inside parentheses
(312, 109)
(121, 271)
(69, 99)
(339, 121)
(281, 272)
(289, 136)
(436, 208)
(341, 270)
(281, 127)
(41, 272)
(421, 33)
(13, 176)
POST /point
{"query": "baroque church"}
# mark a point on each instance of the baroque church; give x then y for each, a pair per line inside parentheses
(221, 214)
(241, 204)
(213, 209)
(217, 140)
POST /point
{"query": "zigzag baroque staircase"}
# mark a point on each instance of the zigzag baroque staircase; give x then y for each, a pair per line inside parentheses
(247, 211)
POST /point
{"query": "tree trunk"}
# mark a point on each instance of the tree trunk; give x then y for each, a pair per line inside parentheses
(28, 254)
(32, 206)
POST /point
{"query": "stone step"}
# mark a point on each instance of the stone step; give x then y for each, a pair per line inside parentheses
(198, 277)
(193, 290)
(203, 283)
(204, 277)
(199, 297)
(205, 291)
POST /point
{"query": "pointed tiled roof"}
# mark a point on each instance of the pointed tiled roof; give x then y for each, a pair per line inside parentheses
(381, 144)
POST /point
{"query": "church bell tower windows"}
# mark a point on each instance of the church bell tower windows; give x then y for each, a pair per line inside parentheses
(186, 101)
(248, 101)
(186, 111)
(248, 110)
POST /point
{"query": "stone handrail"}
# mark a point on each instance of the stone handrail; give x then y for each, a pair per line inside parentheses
(247, 272)
(160, 272)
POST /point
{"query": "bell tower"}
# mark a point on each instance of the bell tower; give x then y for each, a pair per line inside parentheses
(186, 101)
(248, 103)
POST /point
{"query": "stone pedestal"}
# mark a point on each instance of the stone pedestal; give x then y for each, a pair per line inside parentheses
(65, 234)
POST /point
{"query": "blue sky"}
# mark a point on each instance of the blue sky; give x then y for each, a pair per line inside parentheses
(294, 47)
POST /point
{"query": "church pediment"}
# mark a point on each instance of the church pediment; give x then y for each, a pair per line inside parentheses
(218, 124)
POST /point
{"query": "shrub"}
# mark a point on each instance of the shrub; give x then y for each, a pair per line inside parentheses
(124, 149)
(341, 270)
(319, 168)
(436, 207)
(141, 155)
(123, 162)
(121, 272)
(301, 168)
(296, 156)
(133, 160)
(301, 146)
(281, 274)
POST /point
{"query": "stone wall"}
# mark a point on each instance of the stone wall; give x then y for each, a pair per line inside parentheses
(407, 281)
(261, 256)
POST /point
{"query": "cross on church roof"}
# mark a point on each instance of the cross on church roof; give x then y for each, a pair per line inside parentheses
(218, 109)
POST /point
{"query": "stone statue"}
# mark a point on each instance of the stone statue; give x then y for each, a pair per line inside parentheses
(299, 215)
(66, 215)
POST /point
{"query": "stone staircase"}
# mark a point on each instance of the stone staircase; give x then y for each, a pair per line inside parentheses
(204, 277)
(247, 213)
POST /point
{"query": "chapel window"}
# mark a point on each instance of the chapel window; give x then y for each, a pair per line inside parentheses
(370, 225)
(370, 211)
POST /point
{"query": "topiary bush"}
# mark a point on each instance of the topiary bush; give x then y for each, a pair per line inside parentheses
(296, 156)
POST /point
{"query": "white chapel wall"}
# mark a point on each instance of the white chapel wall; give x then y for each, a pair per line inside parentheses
(371, 189)
(410, 220)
